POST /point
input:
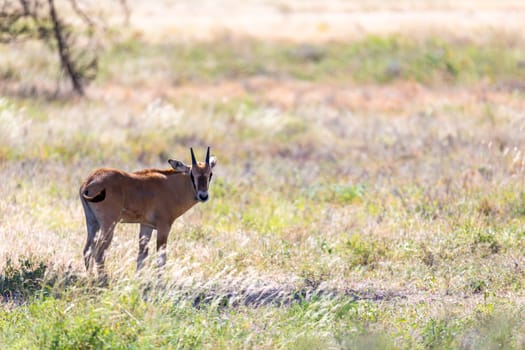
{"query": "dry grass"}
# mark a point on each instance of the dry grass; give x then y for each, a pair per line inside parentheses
(378, 215)
(406, 207)
(312, 21)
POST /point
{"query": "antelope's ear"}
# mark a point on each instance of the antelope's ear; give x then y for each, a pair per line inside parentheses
(213, 161)
(179, 166)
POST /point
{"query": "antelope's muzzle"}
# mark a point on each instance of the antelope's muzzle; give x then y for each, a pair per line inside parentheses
(202, 196)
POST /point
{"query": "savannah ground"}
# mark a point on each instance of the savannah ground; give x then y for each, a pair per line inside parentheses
(369, 191)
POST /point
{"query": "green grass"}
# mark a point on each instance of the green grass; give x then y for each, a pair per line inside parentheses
(327, 227)
(373, 59)
(433, 60)
(121, 317)
(428, 257)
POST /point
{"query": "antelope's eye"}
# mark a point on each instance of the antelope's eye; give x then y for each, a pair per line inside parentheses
(211, 174)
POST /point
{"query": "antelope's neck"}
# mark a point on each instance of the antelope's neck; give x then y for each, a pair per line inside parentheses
(184, 193)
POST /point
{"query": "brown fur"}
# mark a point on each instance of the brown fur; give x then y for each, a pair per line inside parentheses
(150, 196)
(154, 198)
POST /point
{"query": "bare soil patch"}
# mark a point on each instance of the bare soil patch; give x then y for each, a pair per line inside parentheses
(403, 97)
(314, 21)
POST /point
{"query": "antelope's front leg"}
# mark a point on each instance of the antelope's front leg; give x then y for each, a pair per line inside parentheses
(162, 240)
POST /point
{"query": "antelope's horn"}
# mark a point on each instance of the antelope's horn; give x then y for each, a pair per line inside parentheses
(193, 160)
(208, 156)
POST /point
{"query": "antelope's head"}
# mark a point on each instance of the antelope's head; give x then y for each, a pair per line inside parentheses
(201, 174)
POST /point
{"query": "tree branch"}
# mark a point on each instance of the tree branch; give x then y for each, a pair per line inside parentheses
(63, 49)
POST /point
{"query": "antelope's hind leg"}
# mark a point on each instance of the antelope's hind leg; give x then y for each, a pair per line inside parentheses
(144, 237)
(101, 244)
(93, 227)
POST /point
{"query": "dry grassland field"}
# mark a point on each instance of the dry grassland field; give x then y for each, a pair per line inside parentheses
(369, 191)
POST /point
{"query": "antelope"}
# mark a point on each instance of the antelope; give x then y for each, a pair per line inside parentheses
(153, 198)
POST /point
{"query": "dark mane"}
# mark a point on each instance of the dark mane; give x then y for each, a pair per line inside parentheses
(166, 172)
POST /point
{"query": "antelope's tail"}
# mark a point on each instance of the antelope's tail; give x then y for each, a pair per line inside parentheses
(94, 197)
